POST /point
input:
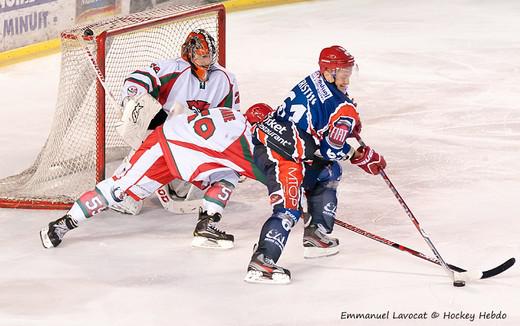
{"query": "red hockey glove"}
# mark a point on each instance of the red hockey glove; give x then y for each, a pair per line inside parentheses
(369, 160)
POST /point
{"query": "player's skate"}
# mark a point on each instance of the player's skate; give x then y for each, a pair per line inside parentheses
(207, 235)
(316, 242)
(52, 235)
(262, 269)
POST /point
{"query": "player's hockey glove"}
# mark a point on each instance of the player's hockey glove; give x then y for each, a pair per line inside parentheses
(369, 160)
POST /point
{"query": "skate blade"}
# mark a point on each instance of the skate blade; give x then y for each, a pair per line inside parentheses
(46, 242)
(202, 242)
(259, 278)
(315, 252)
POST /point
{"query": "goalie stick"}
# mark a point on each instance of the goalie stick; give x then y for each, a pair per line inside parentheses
(471, 274)
(89, 35)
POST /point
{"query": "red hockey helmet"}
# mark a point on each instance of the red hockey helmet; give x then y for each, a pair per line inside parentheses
(258, 112)
(200, 43)
(335, 57)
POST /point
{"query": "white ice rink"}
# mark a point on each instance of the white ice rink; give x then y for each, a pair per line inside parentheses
(438, 93)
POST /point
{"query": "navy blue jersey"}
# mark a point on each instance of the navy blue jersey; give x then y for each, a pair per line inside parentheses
(315, 106)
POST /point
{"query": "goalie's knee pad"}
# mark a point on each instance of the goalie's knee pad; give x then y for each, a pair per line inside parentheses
(217, 196)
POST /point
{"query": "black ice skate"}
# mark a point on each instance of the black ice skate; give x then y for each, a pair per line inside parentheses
(52, 235)
(316, 242)
(207, 235)
(262, 269)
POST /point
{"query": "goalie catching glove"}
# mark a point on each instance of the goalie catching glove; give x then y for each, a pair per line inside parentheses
(369, 160)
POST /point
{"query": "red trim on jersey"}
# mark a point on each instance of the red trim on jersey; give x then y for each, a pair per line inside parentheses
(206, 167)
(165, 89)
(149, 141)
(345, 110)
(155, 82)
(299, 145)
(233, 153)
(167, 153)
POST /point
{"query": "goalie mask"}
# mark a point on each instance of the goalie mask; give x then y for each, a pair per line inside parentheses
(200, 51)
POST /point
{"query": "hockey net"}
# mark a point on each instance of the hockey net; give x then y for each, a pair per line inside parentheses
(83, 140)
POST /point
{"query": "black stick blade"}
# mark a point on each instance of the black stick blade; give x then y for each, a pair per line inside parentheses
(499, 269)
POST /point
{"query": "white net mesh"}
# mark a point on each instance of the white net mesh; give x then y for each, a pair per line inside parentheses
(66, 166)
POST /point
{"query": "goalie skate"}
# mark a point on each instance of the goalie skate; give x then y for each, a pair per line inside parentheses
(207, 235)
(263, 270)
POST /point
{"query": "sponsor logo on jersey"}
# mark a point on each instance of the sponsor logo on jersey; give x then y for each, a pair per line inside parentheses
(274, 130)
(293, 188)
(324, 92)
(155, 67)
(131, 91)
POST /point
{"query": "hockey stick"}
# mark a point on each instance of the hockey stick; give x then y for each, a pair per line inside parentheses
(472, 275)
(89, 34)
(414, 221)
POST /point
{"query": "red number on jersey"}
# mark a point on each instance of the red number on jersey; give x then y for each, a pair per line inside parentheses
(198, 105)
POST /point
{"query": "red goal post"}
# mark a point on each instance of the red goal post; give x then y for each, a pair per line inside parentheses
(83, 140)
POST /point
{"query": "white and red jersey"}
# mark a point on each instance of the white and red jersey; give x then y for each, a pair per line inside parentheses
(203, 143)
(171, 81)
(191, 147)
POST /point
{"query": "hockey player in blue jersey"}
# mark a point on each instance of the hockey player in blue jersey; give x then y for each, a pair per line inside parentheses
(298, 147)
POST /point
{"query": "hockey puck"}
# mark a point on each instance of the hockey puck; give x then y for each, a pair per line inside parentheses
(459, 283)
(88, 32)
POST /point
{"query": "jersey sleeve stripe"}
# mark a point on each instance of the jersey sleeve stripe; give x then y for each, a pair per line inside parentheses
(167, 82)
(139, 82)
(154, 83)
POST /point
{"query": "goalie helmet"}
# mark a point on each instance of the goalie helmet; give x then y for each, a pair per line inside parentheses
(199, 43)
(258, 112)
(335, 57)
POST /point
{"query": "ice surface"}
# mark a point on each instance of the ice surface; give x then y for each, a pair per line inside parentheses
(438, 92)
